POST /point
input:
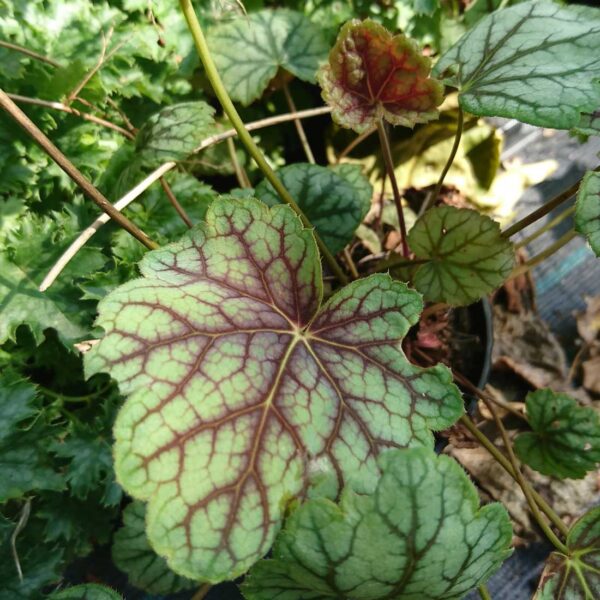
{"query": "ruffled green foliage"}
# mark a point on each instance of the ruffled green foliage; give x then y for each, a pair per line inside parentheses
(587, 214)
(250, 50)
(335, 203)
(565, 441)
(466, 255)
(420, 534)
(372, 75)
(88, 591)
(235, 372)
(132, 554)
(576, 575)
(535, 62)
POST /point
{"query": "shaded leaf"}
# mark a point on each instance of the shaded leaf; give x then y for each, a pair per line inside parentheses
(331, 202)
(466, 253)
(372, 75)
(238, 380)
(577, 575)
(589, 124)
(87, 591)
(131, 552)
(250, 50)
(426, 7)
(24, 461)
(420, 534)
(534, 62)
(173, 133)
(354, 175)
(587, 213)
(565, 441)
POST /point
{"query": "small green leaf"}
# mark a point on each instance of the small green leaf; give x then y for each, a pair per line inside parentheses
(426, 7)
(250, 50)
(173, 133)
(535, 62)
(565, 441)
(466, 253)
(373, 75)
(587, 213)
(238, 380)
(131, 552)
(332, 203)
(420, 534)
(576, 576)
(87, 591)
(589, 124)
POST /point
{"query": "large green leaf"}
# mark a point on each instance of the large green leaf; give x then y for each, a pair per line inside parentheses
(373, 75)
(466, 255)
(250, 50)
(421, 534)
(240, 383)
(88, 591)
(587, 213)
(575, 576)
(565, 441)
(131, 552)
(536, 62)
(333, 203)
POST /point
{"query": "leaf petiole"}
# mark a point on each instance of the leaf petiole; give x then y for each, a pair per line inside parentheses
(254, 151)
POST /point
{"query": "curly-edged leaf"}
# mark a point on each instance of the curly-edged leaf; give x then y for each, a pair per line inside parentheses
(238, 380)
(372, 74)
(24, 461)
(250, 50)
(333, 204)
(576, 576)
(87, 591)
(587, 213)
(467, 257)
(565, 441)
(535, 62)
(173, 133)
(131, 552)
(421, 534)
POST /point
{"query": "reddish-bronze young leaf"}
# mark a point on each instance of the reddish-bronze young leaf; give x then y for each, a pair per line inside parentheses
(372, 74)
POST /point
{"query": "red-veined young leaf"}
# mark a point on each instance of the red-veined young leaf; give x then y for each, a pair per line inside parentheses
(372, 75)
(240, 383)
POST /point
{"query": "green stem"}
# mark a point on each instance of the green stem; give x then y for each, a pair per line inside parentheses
(505, 464)
(389, 164)
(433, 196)
(553, 223)
(542, 256)
(542, 211)
(60, 396)
(254, 151)
(523, 483)
(484, 592)
(298, 123)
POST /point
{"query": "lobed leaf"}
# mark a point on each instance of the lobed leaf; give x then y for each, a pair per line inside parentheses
(535, 62)
(565, 441)
(587, 212)
(576, 575)
(372, 75)
(420, 534)
(250, 50)
(132, 554)
(240, 384)
(335, 203)
(466, 253)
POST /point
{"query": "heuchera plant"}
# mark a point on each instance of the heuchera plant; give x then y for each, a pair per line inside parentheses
(273, 426)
